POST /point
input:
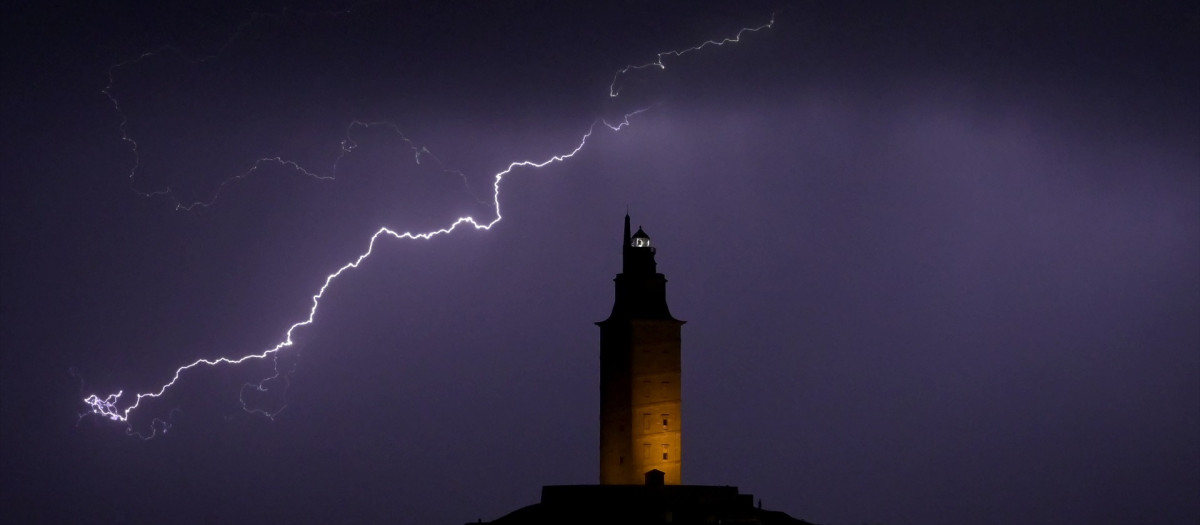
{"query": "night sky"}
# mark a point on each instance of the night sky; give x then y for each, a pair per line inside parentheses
(939, 264)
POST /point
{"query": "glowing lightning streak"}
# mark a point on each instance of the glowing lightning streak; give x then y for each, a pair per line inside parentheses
(347, 144)
(613, 91)
(107, 406)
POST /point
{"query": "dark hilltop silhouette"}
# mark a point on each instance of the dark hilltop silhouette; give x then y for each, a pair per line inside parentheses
(641, 405)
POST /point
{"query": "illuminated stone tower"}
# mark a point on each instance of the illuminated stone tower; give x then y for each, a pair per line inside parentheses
(640, 416)
(640, 401)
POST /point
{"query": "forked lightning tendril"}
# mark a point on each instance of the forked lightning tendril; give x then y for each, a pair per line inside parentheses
(613, 90)
(110, 406)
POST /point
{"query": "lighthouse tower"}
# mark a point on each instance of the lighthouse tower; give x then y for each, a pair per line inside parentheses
(640, 395)
(640, 421)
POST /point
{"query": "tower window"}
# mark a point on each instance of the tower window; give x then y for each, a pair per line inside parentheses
(665, 450)
(665, 419)
(641, 242)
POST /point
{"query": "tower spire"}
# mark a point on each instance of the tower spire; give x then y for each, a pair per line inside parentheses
(625, 244)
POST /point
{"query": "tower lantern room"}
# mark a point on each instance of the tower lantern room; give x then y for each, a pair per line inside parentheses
(640, 239)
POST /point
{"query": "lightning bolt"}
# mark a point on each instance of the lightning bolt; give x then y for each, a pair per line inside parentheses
(110, 406)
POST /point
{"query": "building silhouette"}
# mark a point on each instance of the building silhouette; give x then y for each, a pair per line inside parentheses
(641, 421)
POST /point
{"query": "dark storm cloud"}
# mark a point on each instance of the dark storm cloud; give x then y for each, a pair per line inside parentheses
(1010, 301)
(939, 264)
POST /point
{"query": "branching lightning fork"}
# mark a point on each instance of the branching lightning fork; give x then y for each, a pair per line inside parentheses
(110, 406)
(123, 124)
